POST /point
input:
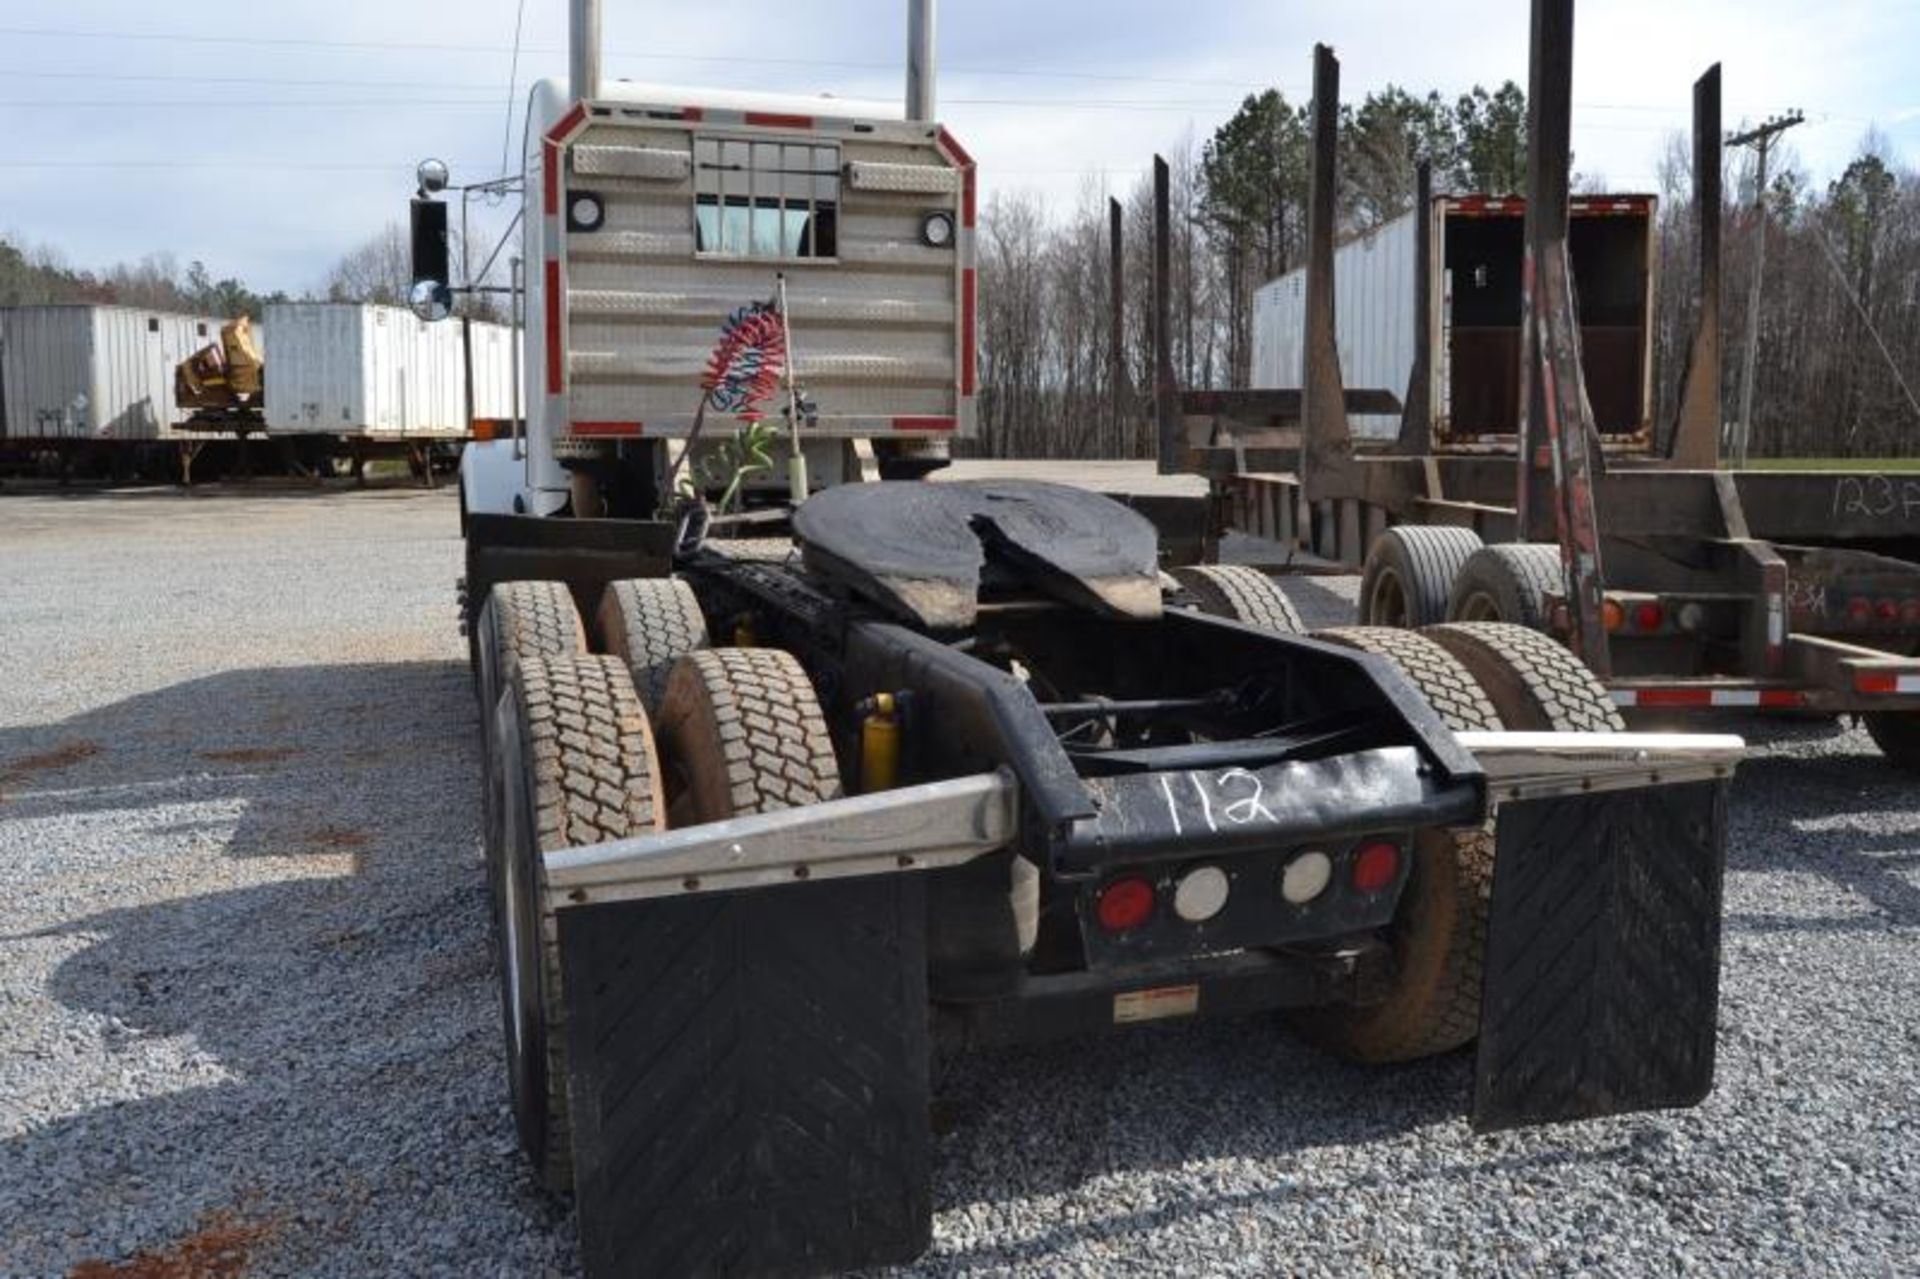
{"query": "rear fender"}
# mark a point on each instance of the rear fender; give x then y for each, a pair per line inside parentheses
(1603, 955)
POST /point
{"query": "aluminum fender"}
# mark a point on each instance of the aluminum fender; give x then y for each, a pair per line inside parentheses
(914, 828)
(1523, 766)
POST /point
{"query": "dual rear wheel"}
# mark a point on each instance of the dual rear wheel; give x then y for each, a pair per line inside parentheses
(587, 748)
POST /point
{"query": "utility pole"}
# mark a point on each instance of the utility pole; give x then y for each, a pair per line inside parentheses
(1761, 140)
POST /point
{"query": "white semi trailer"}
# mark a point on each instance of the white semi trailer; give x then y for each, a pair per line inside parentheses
(1475, 245)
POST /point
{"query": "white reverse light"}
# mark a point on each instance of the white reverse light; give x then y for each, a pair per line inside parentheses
(936, 230)
(1306, 877)
(1201, 894)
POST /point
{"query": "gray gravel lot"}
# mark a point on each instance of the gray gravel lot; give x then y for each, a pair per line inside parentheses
(247, 1006)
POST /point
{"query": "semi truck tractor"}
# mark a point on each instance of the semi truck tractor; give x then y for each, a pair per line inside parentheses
(787, 788)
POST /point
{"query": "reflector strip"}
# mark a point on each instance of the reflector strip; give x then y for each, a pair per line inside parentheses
(967, 298)
(1885, 682)
(775, 120)
(555, 356)
(923, 424)
(607, 428)
(550, 180)
(1761, 698)
(490, 428)
(568, 123)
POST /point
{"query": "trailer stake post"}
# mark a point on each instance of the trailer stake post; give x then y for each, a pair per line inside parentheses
(1326, 445)
(1416, 411)
(1695, 442)
(1553, 393)
(1165, 394)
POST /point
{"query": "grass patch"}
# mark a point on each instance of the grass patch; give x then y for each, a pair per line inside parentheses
(1863, 465)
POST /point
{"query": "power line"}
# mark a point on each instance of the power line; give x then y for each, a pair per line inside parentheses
(513, 80)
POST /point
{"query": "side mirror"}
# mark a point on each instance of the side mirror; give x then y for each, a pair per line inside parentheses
(430, 298)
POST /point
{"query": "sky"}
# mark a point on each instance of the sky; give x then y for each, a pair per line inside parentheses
(269, 138)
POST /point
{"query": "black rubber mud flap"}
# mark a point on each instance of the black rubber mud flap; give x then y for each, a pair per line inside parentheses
(1602, 977)
(749, 1079)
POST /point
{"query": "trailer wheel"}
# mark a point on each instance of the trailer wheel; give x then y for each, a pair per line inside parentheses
(1897, 734)
(1439, 935)
(1241, 593)
(576, 766)
(1409, 571)
(1535, 683)
(741, 732)
(1506, 582)
(652, 623)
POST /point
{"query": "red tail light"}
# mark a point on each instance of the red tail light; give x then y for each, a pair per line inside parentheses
(1375, 866)
(1648, 617)
(1887, 610)
(1859, 609)
(1125, 904)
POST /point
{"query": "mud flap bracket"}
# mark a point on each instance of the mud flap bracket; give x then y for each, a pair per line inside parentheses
(1603, 955)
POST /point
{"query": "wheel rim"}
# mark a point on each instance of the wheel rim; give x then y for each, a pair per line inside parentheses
(1387, 601)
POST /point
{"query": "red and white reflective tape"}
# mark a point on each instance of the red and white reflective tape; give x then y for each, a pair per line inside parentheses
(1885, 682)
(1761, 698)
(602, 429)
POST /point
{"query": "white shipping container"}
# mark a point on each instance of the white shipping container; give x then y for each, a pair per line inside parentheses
(87, 372)
(1373, 320)
(349, 369)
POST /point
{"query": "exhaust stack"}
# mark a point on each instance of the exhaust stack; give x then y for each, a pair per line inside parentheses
(920, 19)
(583, 49)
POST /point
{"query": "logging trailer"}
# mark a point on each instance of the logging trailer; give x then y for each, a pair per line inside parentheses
(947, 764)
(1558, 506)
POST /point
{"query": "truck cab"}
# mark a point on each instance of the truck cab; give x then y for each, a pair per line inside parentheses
(653, 213)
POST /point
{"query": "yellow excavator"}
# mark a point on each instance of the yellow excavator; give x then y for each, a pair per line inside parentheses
(224, 383)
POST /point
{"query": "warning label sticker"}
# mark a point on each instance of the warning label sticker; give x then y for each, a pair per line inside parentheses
(1151, 1005)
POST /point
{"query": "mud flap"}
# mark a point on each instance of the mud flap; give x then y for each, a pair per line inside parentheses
(748, 1079)
(1603, 955)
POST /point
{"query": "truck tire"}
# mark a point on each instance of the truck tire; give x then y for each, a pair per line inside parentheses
(1409, 571)
(741, 732)
(1534, 682)
(1439, 934)
(651, 623)
(522, 619)
(576, 765)
(1241, 593)
(1897, 734)
(1506, 582)
(518, 620)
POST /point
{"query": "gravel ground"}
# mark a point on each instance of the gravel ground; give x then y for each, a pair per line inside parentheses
(247, 1012)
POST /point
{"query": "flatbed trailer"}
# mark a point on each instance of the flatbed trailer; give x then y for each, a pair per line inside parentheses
(1684, 585)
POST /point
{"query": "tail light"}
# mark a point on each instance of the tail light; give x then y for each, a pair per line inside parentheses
(1887, 610)
(1125, 904)
(1376, 865)
(1612, 616)
(1859, 609)
(1648, 616)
